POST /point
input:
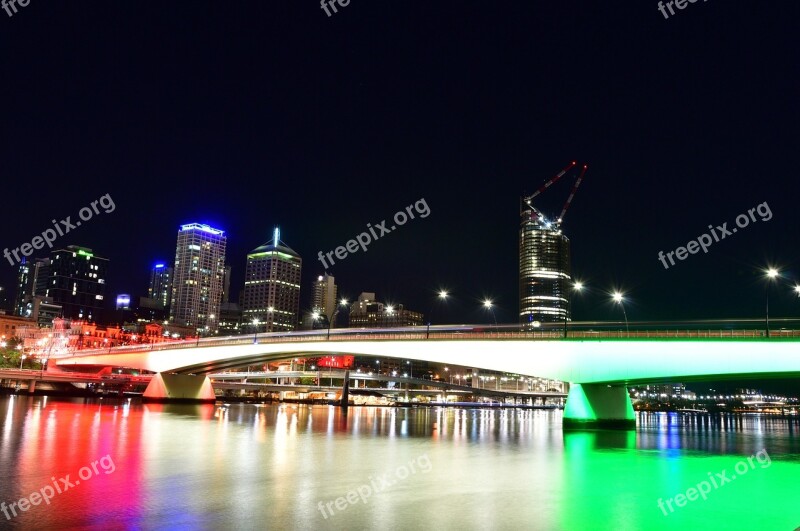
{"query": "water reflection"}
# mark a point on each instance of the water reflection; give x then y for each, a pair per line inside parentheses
(229, 465)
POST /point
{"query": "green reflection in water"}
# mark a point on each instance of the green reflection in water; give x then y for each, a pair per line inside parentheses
(614, 485)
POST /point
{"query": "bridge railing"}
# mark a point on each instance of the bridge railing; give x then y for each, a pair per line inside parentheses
(461, 334)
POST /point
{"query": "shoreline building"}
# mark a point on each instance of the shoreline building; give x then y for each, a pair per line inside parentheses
(545, 276)
(198, 276)
(271, 296)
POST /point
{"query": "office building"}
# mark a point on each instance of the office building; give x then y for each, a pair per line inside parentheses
(544, 270)
(368, 313)
(160, 288)
(198, 276)
(323, 298)
(77, 282)
(32, 280)
(271, 295)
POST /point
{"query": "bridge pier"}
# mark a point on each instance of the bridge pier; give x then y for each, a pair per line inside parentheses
(345, 401)
(597, 406)
(179, 388)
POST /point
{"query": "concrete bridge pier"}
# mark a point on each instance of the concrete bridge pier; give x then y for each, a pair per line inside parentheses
(599, 406)
(179, 388)
(31, 387)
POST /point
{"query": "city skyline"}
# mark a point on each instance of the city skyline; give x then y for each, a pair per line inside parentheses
(666, 158)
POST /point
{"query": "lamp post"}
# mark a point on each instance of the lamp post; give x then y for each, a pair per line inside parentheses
(342, 303)
(576, 288)
(442, 296)
(255, 331)
(620, 299)
(772, 273)
(21, 360)
(388, 311)
(489, 305)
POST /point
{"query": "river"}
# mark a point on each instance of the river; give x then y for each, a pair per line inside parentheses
(119, 464)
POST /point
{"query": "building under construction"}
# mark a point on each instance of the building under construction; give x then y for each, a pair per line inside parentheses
(545, 278)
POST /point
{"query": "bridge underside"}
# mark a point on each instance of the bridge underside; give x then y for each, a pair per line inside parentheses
(601, 361)
(603, 367)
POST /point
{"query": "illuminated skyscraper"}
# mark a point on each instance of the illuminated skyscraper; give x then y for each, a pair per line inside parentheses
(271, 293)
(544, 270)
(160, 289)
(198, 277)
(324, 297)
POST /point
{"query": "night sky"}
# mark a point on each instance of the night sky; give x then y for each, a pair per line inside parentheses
(247, 115)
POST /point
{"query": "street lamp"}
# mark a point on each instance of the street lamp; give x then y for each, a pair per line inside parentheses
(21, 360)
(619, 298)
(576, 288)
(489, 305)
(772, 273)
(389, 311)
(255, 331)
(342, 303)
(442, 296)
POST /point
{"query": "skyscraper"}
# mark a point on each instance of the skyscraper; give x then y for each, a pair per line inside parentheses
(271, 292)
(77, 282)
(544, 270)
(323, 299)
(198, 276)
(32, 280)
(161, 285)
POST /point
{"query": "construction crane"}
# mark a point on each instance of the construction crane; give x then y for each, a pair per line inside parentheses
(551, 182)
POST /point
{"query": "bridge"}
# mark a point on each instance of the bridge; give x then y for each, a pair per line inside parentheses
(598, 365)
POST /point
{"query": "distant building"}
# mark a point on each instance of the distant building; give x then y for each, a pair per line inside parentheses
(199, 273)
(271, 292)
(226, 285)
(10, 324)
(323, 299)
(123, 301)
(77, 282)
(368, 313)
(230, 320)
(160, 288)
(32, 280)
(544, 270)
(151, 310)
(42, 310)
